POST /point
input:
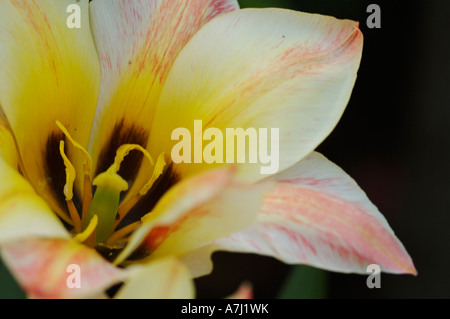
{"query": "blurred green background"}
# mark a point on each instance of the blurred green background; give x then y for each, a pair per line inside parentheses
(393, 140)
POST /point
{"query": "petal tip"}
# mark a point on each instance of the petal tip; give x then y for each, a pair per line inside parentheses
(412, 270)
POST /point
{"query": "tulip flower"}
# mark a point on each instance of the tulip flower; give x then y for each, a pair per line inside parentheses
(88, 186)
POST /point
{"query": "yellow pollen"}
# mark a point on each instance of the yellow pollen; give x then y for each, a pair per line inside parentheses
(87, 166)
(157, 171)
(87, 158)
(70, 173)
(125, 207)
(83, 236)
(123, 151)
(68, 188)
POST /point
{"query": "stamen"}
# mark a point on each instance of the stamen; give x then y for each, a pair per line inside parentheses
(157, 171)
(87, 197)
(74, 215)
(87, 166)
(88, 232)
(123, 232)
(87, 158)
(68, 188)
(70, 173)
(123, 151)
(125, 208)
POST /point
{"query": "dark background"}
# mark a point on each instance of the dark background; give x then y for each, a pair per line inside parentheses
(393, 140)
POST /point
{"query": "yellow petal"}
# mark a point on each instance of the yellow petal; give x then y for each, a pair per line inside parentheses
(163, 279)
(261, 68)
(199, 260)
(22, 212)
(137, 43)
(8, 149)
(48, 72)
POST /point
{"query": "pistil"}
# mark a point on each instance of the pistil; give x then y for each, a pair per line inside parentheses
(105, 203)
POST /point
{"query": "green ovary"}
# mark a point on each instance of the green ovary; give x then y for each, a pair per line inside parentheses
(105, 203)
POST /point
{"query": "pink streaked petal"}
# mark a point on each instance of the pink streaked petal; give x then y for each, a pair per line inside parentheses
(137, 42)
(261, 68)
(183, 197)
(235, 208)
(322, 218)
(177, 229)
(41, 268)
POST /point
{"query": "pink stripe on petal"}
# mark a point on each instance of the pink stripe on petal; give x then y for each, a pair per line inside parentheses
(173, 209)
(180, 224)
(341, 226)
(138, 42)
(326, 222)
(41, 266)
(261, 68)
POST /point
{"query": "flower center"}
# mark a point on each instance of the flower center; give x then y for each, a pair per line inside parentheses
(102, 212)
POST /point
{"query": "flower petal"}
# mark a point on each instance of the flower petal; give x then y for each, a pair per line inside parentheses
(184, 196)
(151, 34)
(48, 268)
(48, 72)
(261, 68)
(22, 212)
(8, 149)
(199, 260)
(318, 215)
(162, 279)
(245, 291)
(194, 212)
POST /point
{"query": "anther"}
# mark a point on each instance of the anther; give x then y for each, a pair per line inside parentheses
(125, 207)
(87, 165)
(68, 189)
